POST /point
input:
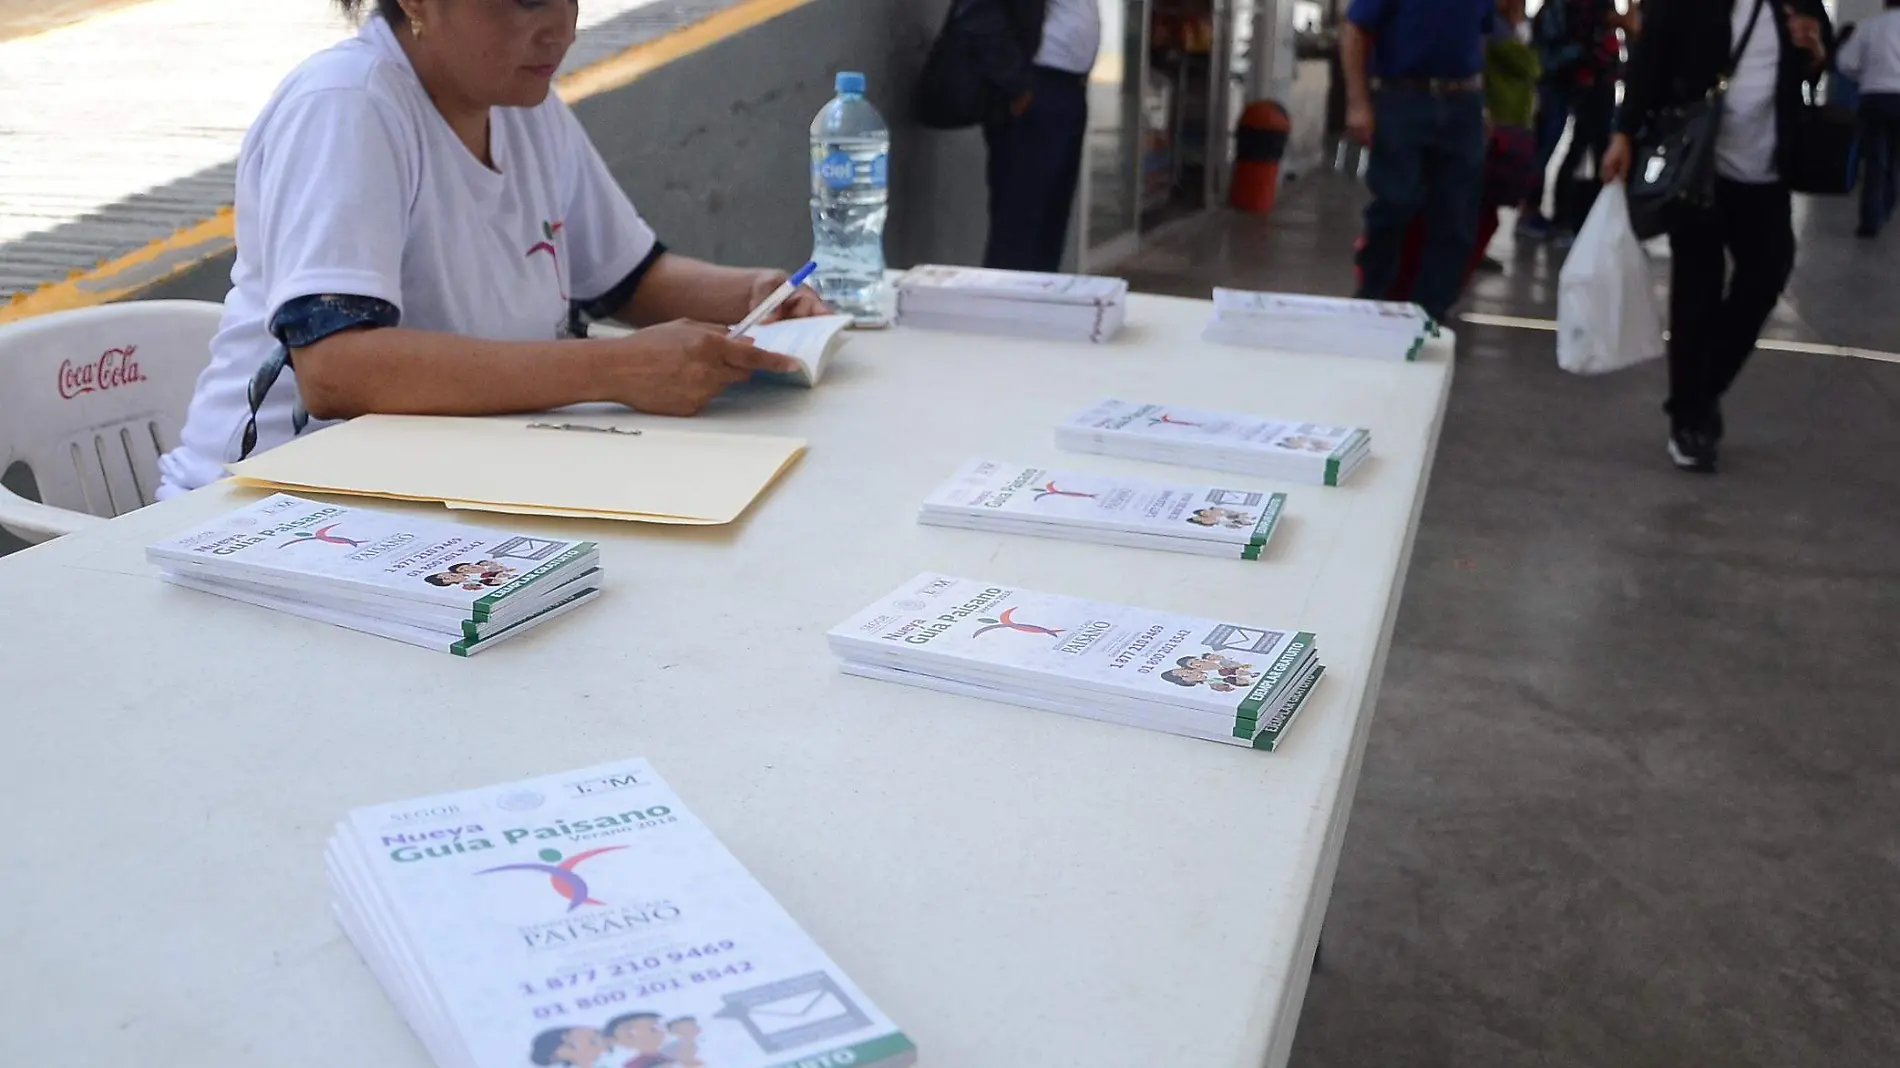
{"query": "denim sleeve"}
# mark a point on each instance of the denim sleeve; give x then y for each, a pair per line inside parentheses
(304, 321)
(609, 304)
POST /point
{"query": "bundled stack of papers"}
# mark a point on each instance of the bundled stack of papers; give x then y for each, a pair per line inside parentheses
(587, 920)
(1018, 499)
(1221, 441)
(1326, 326)
(1056, 307)
(437, 585)
(1203, 678)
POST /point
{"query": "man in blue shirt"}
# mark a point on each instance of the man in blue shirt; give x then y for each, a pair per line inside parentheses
(1415, 95)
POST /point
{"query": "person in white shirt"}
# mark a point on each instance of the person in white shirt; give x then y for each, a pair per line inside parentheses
(418, 216)
(1040, 71)
(1779, 47)
(1872, 58)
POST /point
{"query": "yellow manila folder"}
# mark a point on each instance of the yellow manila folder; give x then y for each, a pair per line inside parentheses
(561, 465)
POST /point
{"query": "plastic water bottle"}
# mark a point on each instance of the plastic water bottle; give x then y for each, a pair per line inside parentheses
(850, 178)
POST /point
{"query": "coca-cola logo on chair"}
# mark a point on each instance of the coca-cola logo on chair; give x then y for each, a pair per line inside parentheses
(113, 368)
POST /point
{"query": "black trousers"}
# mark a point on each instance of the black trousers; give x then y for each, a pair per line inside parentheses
(1595, 111)
(1715, 317)
(1880, 156)
(1034, 165)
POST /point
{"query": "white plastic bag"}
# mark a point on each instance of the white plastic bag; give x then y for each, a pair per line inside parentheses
(1607, 314)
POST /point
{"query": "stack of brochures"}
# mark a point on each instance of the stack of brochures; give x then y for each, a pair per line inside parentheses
(1057, 307)
(1240, 684)
(1018, 499)
(589, 919)
(438, 585)
(1221, 441)
(1324, 326)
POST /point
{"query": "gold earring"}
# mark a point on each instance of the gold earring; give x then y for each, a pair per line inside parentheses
(416, 27)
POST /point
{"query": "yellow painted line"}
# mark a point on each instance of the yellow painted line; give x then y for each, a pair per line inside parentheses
(122, 277)
(1767, 344)
(620, 71)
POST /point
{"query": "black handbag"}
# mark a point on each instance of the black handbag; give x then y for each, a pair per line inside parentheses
(1821, 160)
(951, 91)
(1675, 157)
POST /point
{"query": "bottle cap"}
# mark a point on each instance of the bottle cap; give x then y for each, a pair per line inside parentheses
(850, 81)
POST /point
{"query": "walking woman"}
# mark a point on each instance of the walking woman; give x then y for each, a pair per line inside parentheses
(1717, 315)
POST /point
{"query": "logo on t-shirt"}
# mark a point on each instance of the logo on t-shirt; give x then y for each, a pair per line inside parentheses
(114, 368)
(548, 230)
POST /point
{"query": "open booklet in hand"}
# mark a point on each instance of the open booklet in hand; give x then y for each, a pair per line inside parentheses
(589, 920)
(458, 589)
(811, 341)
(1021, 499)
(1237, 683)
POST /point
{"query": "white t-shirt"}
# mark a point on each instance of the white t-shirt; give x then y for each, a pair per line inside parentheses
(1745, 145)
(1071, 36)
(1873, 55)
(351, 182)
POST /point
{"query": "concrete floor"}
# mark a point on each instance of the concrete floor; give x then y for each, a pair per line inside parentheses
(1630, 799)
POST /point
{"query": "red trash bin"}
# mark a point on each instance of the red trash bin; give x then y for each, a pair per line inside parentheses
(1259, 145)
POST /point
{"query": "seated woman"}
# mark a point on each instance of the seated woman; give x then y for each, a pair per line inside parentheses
(417, 214)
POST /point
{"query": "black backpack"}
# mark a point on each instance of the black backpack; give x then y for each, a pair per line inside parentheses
(952, 92)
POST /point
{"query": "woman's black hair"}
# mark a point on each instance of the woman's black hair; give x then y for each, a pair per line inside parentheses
(390, 9)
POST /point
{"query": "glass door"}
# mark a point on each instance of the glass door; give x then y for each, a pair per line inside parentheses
(1110, 212)
(1234, 23)
(1180, 102)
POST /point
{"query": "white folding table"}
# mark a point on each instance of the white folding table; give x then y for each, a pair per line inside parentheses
(1015, 888)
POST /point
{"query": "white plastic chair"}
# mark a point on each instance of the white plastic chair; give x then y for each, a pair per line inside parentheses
(90, 399)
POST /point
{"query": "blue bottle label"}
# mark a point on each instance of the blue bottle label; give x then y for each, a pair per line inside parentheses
(835, 170)
(838, 171)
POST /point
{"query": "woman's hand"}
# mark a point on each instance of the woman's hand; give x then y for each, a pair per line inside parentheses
(677, 368)
(1805, 30)
(802, 304)
(1616, 162)
(679, 287)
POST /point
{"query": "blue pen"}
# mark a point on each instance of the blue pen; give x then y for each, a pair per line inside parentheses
(779, 296)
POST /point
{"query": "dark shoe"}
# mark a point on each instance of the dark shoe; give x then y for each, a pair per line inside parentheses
(1715, 427)
(1533, 227)
(1868, 232)
(1692, 450)
(1490, 265)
